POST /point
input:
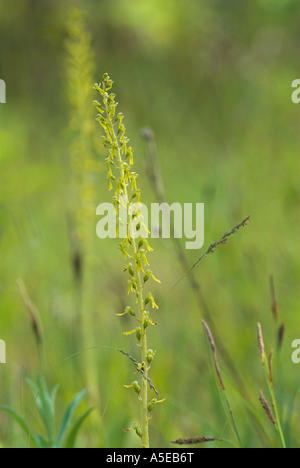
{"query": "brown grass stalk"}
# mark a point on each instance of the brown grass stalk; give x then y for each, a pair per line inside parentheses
(214, 351)
(32, 311)
(261, 343)
(274, 305)
(195, 440)
(267, 408)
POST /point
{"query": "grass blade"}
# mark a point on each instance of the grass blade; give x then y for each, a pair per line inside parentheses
(21, 422)
(68, 416)
(73, 434)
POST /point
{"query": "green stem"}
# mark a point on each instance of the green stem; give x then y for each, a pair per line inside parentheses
(277, 416)
(222, 392)
(274, 403)
(233, 421)
(145, 430)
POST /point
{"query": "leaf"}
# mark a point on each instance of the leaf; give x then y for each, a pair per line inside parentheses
(48, 402)
(41, 441)
(45, 405)
(68, 416)
(21, 422)
(37, 399)
(53, 394)
(73, 434)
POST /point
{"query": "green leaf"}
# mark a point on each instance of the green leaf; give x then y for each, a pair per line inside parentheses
(21, 422)
(68, 416)
(36, 391)
(41, 441)
(53, 395)
(49, 409)
(73, 434)
(45, 405)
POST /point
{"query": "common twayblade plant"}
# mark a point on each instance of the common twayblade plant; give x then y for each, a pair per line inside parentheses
(122, 178)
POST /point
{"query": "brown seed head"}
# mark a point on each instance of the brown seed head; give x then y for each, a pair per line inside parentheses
(261, 344)
(281, 331)
(274, 306)
(267, 408)
(214, 351)
(194, 440)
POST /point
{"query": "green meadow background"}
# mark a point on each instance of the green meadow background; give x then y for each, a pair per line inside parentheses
(212, 79)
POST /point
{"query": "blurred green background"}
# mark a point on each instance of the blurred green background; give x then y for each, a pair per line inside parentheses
(213, 81)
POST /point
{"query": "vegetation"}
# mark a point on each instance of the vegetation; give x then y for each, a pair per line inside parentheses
(133, 248)
(206, 91)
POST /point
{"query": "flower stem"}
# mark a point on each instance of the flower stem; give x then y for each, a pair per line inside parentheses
(274, 402)
(144, 399)
(145, 429)
(119, 163)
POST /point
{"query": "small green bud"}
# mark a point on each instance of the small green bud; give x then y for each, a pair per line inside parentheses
(150, 298)
(151, 405)
(136, 387)
(154, 402)
(138, 431)
(150, 355)
(141, 243)
(146, 323)
(132, 284)
(130, 269)
(138, 334)
(130, 311)
(147, 299)
(135, 428)
(147, 275)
